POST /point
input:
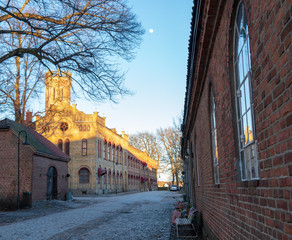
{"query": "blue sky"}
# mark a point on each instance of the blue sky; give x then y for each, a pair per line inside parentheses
(157, 75)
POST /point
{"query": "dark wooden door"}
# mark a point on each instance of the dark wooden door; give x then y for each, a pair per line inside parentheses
(52, 187)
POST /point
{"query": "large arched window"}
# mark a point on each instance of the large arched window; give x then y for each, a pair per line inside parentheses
(60, 144)
(244, 102)
(214, 138)
(67, 146)
(83, 175)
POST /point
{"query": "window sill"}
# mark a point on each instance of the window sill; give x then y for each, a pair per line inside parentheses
(253, 183)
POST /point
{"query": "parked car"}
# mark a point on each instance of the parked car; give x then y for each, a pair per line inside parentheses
(173, 188)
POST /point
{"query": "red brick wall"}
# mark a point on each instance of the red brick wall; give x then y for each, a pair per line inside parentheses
(40, 169)
(33, 170)
(253, 209)
(9, 169)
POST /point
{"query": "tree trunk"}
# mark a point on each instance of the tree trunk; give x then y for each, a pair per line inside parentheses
(17, 93)
(173, 178)
(177, 180)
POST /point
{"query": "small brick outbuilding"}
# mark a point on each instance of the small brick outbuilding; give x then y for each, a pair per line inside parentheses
(43, 168)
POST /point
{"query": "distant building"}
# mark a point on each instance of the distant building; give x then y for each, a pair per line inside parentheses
(103, 161)
(43, 167)
(237, 146)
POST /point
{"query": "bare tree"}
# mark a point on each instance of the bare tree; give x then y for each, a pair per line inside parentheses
(171, 140)
(20, 77)
(86, 37)
(149, 143)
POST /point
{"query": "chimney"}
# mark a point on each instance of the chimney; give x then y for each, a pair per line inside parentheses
(28, 117)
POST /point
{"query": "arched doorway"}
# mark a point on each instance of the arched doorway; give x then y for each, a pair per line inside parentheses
(52, 187)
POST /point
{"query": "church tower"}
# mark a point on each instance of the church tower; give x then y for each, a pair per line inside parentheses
(58, 88)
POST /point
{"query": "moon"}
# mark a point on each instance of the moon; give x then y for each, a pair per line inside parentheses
(151, 30)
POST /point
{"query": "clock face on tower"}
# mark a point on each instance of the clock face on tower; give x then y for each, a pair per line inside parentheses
(64, 126)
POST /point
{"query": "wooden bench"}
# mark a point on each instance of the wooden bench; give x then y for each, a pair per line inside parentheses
(185, 227)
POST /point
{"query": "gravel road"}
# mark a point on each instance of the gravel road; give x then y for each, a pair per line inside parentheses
(134, 216)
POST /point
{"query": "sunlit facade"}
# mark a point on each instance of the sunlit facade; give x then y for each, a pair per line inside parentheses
(100, 157)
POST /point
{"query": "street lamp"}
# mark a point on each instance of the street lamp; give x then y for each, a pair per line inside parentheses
(18, 160)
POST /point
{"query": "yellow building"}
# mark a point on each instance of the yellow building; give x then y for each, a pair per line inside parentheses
(102, 160)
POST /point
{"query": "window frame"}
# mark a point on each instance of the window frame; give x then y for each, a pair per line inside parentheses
(244, 99)
(84, 146)
(81, 176)
(214, 138)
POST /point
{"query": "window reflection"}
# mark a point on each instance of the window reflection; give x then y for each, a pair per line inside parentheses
(245, 128)
(245, 55)
(240, 68)
(247, 94)
(250, 127)
(242, 99)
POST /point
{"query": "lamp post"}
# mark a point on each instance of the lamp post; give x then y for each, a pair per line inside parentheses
(18, 161)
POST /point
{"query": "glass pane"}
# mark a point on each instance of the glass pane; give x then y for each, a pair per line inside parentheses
(240, 68)
(239, 20)
(244, 120)
(214, 121)
(237, 78)
(250, 126)
(245, 56)
(248, 48)
(247, 93)
(215, 138)
(245, 23)
(254, 165)
(241, 41)
(247, 162)
(242, 99)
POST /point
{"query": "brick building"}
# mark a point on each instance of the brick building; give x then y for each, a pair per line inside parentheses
(237, 119)
(101, 159)
(43, 168)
